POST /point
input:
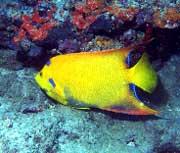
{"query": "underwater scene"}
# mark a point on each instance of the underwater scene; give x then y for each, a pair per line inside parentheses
(89, 76)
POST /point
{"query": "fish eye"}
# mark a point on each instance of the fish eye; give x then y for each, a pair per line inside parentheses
(41, 74)
(133, 57)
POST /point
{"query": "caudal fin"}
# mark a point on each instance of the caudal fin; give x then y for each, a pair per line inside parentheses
(143, 75)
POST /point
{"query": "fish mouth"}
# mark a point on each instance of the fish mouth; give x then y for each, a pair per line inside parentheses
(39, 81)
(42, 83)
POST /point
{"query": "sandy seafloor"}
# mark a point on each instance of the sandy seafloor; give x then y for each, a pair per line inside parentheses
(32, 123)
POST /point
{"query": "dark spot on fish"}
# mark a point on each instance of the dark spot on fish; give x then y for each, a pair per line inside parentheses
(41, 74)
(121, 109)
(133, 88)
(128, 59)
(48, 63)
(51, 81)
(132, 58)
(141, 95)
(45, 90)
(74, 102)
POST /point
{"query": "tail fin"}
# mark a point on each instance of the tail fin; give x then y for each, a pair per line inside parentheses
(143, 75)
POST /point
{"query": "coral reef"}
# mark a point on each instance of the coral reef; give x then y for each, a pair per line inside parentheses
(85, 14)
(35, 26)
(46, 23)
(169, 20)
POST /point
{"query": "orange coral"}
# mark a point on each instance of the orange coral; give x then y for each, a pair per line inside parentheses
(172, 15)
(82, 22)
(35, 26)
(94, 4)
(123, 14)
(157, 19)
(166, 20)
(85, 14)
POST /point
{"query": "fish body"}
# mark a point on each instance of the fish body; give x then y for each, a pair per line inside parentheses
(98, 80)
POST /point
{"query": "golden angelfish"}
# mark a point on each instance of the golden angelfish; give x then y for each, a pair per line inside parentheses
(98, 80)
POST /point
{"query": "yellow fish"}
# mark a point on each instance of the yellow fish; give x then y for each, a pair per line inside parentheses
(98, 80)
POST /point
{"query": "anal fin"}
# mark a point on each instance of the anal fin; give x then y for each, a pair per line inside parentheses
(132, 107)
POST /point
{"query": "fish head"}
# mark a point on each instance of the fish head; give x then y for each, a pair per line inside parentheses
(44, 79)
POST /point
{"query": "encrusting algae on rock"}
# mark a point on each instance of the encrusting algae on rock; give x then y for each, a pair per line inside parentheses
(98, 80)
